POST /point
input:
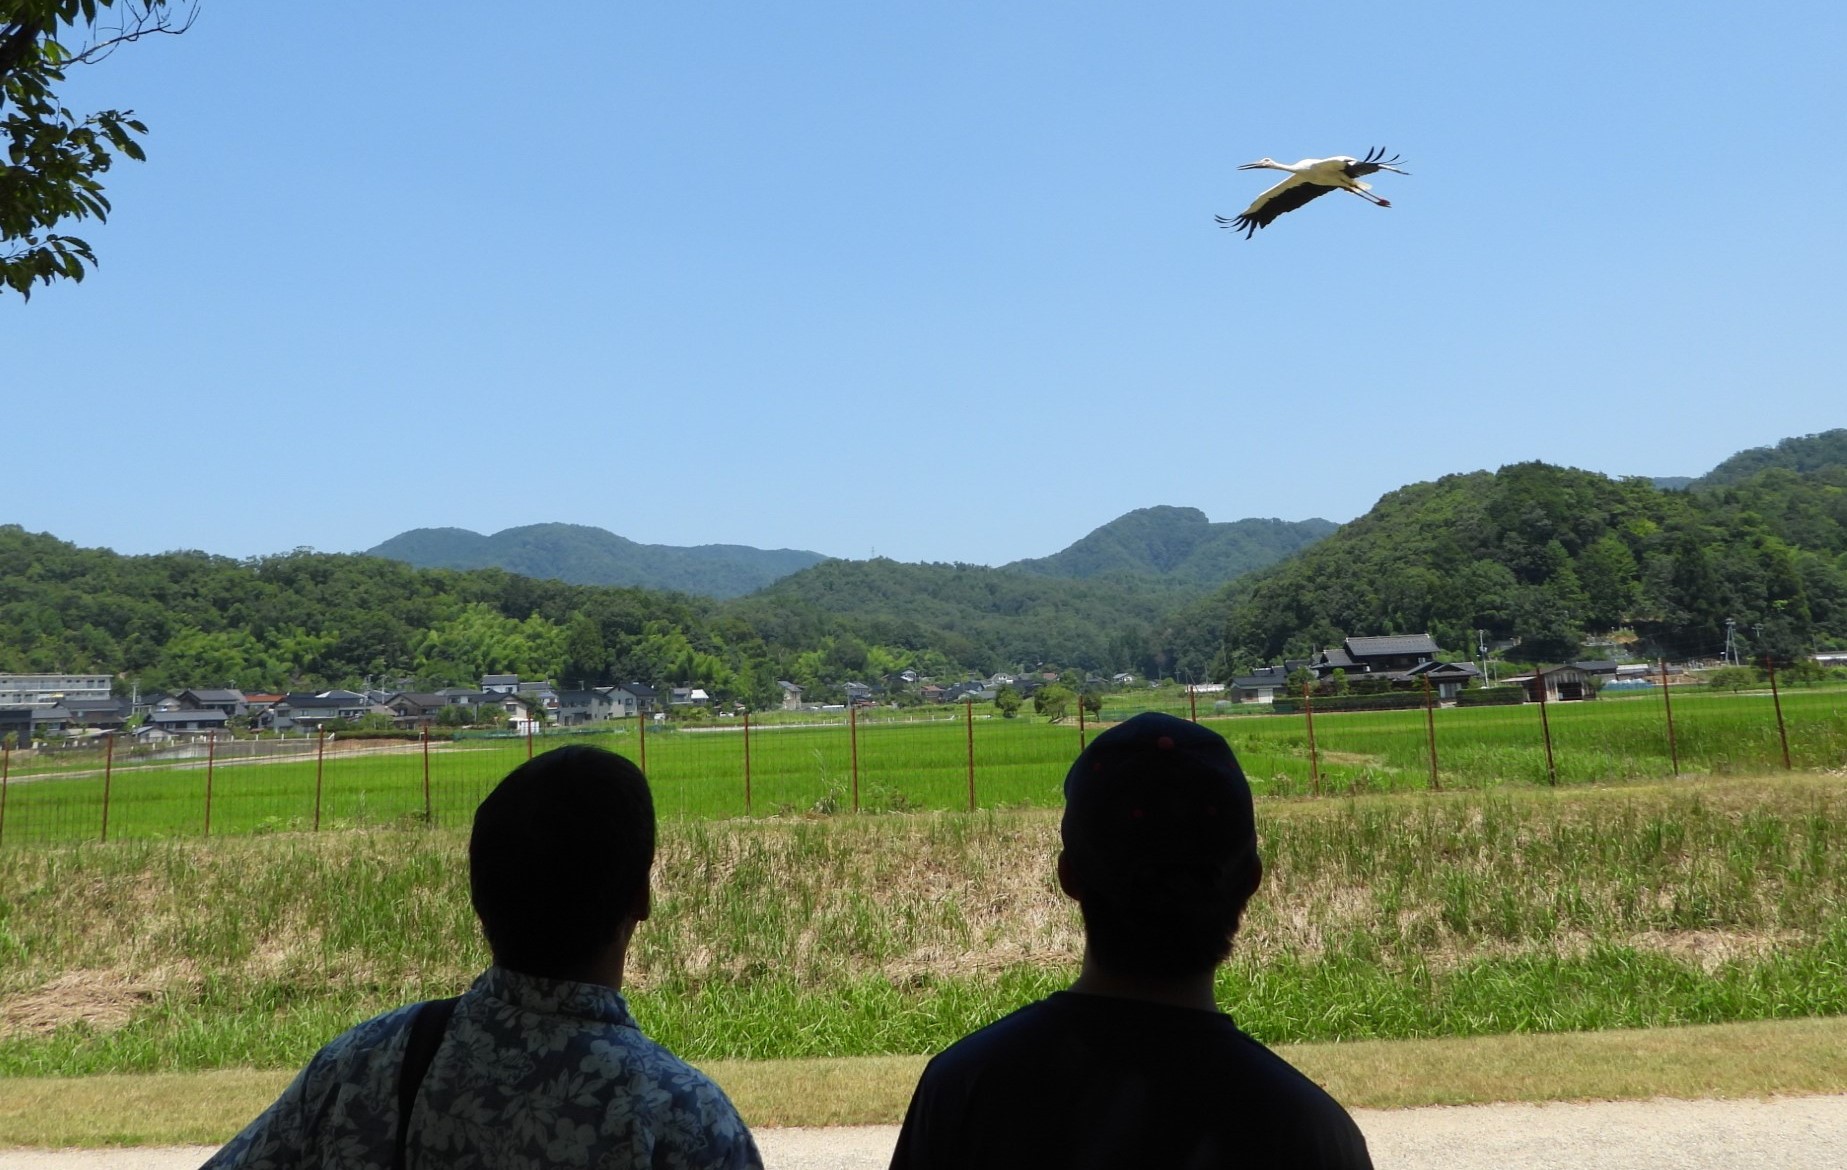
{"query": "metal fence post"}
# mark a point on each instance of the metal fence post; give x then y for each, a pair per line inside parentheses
(1080, 722)
(320, 755)
(747, 811)
(211, 760)
(1545, 728)
(853, 747)
(968, 706)
(1777, 698)
(108, 774)
(6, 769)
(641, 731)
(1192, 702)
(1673, 745)
(428, 815)
(1430, 727)
(529, 723)
(1314, 761)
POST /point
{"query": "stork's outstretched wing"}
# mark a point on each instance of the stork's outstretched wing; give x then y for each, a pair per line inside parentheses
(1374, 161)
(1287, 195)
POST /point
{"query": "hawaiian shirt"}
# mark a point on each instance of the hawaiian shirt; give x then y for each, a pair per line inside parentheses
(531, 1073)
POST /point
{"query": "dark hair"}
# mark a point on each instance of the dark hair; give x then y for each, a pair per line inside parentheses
(560, 853)
(1180, 921)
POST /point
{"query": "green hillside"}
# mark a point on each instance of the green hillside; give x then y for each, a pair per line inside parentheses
(1802, 454)
(582, 555)
(1546, 555)
(1179, 544)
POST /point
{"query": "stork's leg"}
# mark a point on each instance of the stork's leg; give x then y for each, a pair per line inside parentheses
(1368, 196)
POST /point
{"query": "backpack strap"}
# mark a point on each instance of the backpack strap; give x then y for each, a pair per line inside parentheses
(428, 1021)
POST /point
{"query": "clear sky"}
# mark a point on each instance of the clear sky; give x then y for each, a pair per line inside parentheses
(939, 280)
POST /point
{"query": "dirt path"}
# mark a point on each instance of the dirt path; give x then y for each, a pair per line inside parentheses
(1786, 1133)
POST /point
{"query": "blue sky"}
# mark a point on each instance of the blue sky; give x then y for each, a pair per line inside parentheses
(936, 280)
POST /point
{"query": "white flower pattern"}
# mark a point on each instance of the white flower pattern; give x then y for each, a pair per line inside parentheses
(532, 1073)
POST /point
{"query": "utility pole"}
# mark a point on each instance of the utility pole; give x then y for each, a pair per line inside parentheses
(1731, 651)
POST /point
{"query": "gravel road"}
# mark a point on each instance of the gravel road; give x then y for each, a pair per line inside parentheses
(1785, 1133)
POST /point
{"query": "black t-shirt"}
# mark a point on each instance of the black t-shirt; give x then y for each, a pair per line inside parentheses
(1078, 1081)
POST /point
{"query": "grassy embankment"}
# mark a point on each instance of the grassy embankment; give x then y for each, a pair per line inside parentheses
(1383, 917)
(906, 766)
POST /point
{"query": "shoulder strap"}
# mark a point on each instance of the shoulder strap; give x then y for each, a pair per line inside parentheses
(427, 1024)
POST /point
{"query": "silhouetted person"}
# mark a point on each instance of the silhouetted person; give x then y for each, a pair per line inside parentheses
(540, 1064)
(1135, 1066)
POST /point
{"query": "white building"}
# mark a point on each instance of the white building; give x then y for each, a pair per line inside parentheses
(48, 690)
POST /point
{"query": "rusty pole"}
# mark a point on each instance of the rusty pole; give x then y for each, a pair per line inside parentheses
(746, 763)
(6, 769)
(1673, 745)
(641, 729)
(529, 723)
(1777, 698)
(1430, 728)
(211, 753)
(853, 746)
(1080, 722)
(108, 773)
(1545, 727)
(968, 708)
(320, 757)
(428, 816)
(1314, 762)
(1192, 702)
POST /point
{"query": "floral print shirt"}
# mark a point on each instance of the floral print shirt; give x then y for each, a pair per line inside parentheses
(531, 1073)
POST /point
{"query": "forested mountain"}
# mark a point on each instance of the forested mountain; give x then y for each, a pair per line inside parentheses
(1178, 544)
(1542, 554)
(976, 614)
(583, 555)
(1545, 555)
(1805, 453)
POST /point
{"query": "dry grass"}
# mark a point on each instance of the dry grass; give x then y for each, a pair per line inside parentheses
(1712, 874)
(1782, 1058)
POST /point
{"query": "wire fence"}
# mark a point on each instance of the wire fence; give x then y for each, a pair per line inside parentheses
(943, 758)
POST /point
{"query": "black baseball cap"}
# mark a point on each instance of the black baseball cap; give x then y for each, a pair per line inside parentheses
(1157, 808)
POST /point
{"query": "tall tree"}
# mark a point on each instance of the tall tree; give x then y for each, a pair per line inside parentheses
(55, 160)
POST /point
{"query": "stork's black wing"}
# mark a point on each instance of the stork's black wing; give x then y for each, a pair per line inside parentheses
(1271, 204)
(1374, 162)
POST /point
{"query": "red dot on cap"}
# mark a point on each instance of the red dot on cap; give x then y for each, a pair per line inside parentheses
(1136, 813)
(1165, 742)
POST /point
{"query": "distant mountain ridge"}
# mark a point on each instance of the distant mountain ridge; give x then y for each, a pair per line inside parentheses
(1802, 453)
(583, 555)
(1180, 544)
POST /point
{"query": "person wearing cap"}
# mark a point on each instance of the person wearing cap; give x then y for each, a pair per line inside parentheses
(1134, 1064)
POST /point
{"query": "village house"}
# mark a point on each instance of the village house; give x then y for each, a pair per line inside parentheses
(791, 696)
(229, 701)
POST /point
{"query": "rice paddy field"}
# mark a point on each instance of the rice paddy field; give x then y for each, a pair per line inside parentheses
(912, 761)
(1502, 908)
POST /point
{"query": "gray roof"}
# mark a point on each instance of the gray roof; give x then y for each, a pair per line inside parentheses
(582, 698)
(158, 718)
(489, 680)
(1337, 658)
(220, 695)
(1593, 666)
(1391, 644)
(423, 700)
(1263, 676)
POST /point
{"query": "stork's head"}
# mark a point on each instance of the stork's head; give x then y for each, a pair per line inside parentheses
(1262, 164)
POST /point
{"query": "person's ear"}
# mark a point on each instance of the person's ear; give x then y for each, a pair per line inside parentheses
(1254, 875)
(1067, 877)
(644, 904)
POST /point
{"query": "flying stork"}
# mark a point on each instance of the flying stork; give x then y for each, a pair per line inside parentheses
(1310, 179)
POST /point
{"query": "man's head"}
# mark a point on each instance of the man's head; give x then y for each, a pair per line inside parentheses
(1160, 846)
(559, 858)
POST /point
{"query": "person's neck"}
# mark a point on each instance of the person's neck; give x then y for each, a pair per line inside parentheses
(1187, 991)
